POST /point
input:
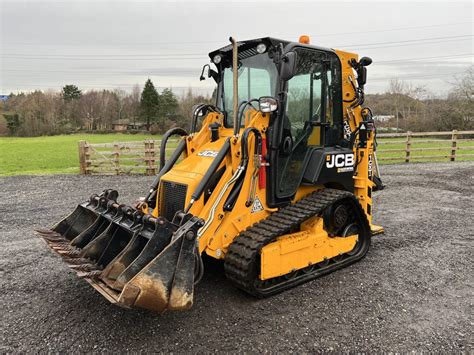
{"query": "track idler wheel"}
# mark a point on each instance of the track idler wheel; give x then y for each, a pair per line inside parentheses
(336, 217)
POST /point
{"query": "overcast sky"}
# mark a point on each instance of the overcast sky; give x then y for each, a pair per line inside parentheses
(111, 44)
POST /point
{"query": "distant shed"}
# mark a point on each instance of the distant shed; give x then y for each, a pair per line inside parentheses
(125, 125)
(120, 125)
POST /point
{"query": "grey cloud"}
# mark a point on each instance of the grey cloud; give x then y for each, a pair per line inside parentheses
(112, 43)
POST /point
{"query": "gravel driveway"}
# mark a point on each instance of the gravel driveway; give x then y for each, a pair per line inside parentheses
(413, 291)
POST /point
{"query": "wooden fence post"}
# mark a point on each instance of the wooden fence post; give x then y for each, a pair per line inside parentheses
(87, 155)
(454, 139)
(117, 158)
(82, 157)
(407, 150)
(150, 157)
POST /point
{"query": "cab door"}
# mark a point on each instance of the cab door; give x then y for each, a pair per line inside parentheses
(306, 121)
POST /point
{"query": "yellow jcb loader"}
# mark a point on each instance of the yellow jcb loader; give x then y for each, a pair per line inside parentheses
(275, 180)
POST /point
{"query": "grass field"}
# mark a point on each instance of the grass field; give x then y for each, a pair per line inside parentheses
(51, 155)
(59, 154)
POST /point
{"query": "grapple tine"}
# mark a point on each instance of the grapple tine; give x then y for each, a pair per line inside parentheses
(182, 290)
(105, 247)
(92, 232)
(82, 217)
(152, 287)
(156, 236)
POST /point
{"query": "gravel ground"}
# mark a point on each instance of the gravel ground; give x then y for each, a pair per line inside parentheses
(413, 291)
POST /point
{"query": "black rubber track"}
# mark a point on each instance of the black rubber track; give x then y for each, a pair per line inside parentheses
(242, 261)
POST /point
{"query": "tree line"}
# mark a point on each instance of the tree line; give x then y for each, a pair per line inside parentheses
(71, 110)
(407, 107)
(415, 108)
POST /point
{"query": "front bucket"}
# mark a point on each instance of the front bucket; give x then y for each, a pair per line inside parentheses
(134, 260)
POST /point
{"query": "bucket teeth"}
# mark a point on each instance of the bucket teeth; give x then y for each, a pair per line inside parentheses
(89, 274)
(55, 239)
(70, 253)
(76, 261)
(46, 232)
(63, 247)
(84, 267)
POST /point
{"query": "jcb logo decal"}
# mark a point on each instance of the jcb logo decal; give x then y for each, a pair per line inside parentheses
(208, 153)
(340, 161)
(370, 166)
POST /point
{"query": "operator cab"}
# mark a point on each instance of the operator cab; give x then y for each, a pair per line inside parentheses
(305, 81)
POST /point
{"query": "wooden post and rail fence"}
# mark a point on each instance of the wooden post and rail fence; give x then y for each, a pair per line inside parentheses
(142, 157)
(425, 146)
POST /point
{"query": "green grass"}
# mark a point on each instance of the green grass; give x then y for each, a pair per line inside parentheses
(51, 155)
(59, 154)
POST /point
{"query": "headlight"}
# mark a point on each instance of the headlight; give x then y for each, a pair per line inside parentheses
(217, 59)
(261, 48)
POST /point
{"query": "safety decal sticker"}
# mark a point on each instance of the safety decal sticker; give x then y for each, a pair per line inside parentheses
(257, 206)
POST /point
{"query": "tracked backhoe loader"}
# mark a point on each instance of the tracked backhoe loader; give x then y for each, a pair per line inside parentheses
(275, 180)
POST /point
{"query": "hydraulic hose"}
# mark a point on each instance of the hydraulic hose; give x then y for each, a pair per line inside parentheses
(198, 267)
(164, 141)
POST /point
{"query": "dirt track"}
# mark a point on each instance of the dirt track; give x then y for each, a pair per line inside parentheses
(414, 290)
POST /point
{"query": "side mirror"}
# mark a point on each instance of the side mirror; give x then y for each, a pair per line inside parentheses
(288, 66)
(203, 72)
(207, 71)
(267, 104)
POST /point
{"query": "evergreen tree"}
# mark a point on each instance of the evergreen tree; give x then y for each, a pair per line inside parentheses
(168, 104)
(149, 103)
(71, 92)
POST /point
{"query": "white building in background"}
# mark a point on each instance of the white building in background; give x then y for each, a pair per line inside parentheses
(383, 118)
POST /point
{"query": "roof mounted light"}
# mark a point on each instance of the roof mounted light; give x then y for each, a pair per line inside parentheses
(217, 59)
(304, 39)
(261, 48)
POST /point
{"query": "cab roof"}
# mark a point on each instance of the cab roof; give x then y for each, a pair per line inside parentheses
(248, 48)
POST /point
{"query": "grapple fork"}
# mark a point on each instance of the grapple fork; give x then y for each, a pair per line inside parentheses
(134, 260)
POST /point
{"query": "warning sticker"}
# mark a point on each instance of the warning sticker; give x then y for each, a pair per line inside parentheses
(257, 206)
